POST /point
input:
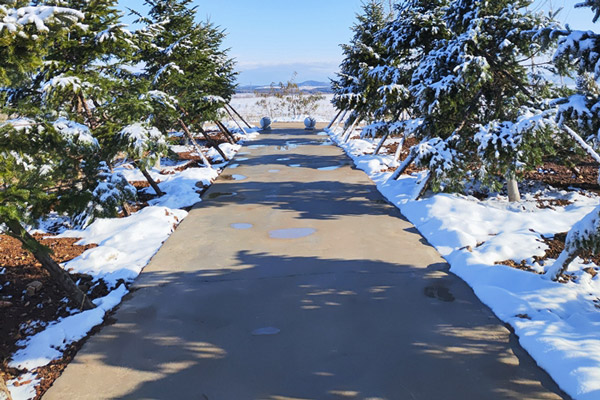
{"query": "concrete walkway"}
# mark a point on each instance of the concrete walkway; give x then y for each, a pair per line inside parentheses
(295, 280)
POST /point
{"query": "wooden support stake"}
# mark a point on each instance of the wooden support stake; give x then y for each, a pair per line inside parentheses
(351, 131)
(214, 144)
(346, 127)
(226, 132)
(187, 133)
(399, 149)
(337, 125)
(238, 114)
(405, 164)
(425, 185)
(235, 121)
(333, 120)
(380, 145)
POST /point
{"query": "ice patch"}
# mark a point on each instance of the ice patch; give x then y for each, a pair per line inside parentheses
(266, 331)
(292, 233)
(242, 226)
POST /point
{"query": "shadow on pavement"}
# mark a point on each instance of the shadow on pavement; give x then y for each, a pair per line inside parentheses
(329, 321)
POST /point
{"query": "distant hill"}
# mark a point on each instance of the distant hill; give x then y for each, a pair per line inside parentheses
(308, 86)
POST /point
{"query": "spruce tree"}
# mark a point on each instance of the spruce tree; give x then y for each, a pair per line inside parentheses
(354, 89)
(471, 89)
(414, 31)
(184, 60)
(68, 117)
(579, 114)
(41, 160)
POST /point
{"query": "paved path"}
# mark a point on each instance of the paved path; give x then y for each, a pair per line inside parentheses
(359, 307)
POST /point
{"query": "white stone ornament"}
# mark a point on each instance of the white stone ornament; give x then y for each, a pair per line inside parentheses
(265, 123)
(310, 123)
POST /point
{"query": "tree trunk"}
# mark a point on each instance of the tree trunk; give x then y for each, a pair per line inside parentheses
(238, 114)
(235, 121)
(58, 274)
(333, 120)
(214, 144)
(4, 392)
(188, 134)
(150, 180)
(513, 189)
(126, 210)
(380, 145)
(226, 132)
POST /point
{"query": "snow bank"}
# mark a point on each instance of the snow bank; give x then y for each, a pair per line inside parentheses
(125, 245)
(558, 324)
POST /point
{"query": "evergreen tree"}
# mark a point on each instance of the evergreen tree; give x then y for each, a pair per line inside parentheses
(579, 115)
(472, 88)
(53, 159)
(416, 28)
(354, 89)
(184, 61)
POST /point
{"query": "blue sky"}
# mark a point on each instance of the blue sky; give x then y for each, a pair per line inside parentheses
(271, 39)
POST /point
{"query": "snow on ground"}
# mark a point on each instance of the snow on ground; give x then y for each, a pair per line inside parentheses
(125, 246)
(247, 105)
(557, 323)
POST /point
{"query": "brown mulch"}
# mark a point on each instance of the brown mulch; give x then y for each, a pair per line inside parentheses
(556, 245)
(551, 203)
(24, 314)
(391, 149)
(180, 168)
(189, 155)
(584, 175)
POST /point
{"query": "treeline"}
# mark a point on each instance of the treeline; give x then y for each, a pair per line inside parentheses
(78, 89)
(479, 85)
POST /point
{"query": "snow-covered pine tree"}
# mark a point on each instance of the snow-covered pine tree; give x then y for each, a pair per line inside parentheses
(354, 89)
(470, 90)
(413, 33)
(579, 114)
(86, 79)
(184, 60)
(25, 33)
(40, 162)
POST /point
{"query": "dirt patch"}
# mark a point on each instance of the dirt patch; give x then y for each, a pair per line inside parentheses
(522, 265)
(556, 245)
(551, 203)
(583, 175)
(189, 155)
(25, 313)
(408, 143)
(173, 170)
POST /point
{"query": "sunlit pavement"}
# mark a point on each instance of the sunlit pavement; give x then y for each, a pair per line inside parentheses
(294, 279)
